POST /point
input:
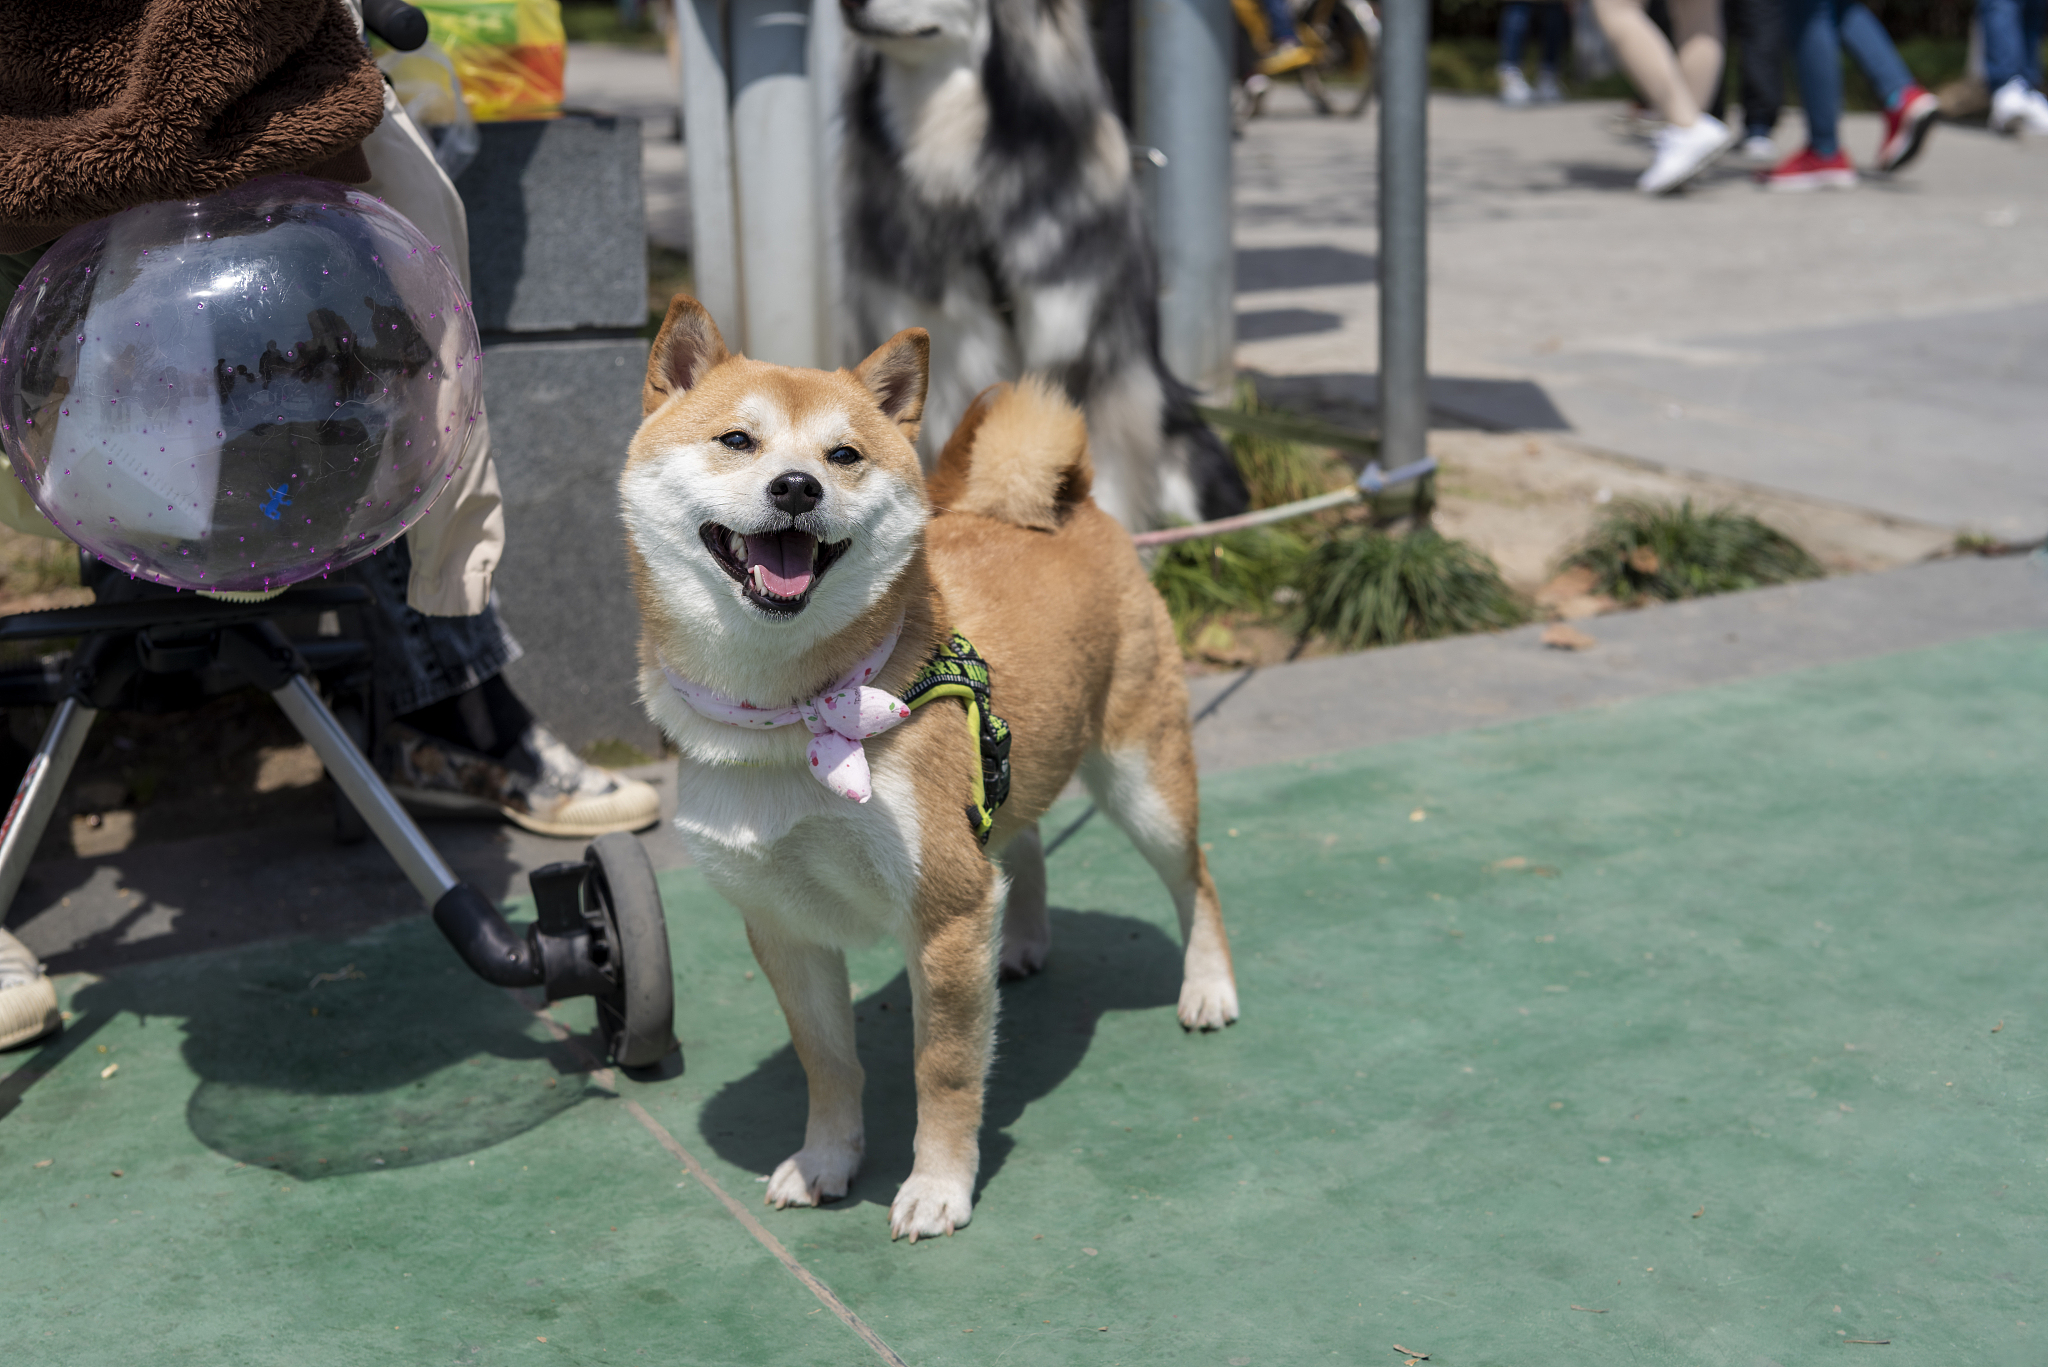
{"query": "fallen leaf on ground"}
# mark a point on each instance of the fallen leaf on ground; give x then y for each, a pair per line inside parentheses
(1866, 1340)
(109, 1071)
(1589, 1309)
(1514, 862)
(1559, 636)
(119, 1173)
(1415, 1354)
(1998, 1027)
(1573, 583)
(1643, 560)
(45, 1163)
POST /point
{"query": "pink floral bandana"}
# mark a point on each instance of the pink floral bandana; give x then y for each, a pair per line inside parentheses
(839, 718)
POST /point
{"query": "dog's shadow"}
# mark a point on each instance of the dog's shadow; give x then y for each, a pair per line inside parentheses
(1100, 962)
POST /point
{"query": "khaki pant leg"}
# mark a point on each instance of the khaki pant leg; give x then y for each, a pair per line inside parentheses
(457, 546)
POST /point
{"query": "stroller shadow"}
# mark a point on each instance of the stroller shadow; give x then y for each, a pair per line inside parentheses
(319, 1059)
(1100, 962)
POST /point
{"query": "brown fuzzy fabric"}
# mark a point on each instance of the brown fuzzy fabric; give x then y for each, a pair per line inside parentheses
(106, 104)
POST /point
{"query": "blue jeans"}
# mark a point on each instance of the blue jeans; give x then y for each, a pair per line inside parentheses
(2012, 40)
(1515, 18)
(1819, 29)
(1280, 23)
(420, 660)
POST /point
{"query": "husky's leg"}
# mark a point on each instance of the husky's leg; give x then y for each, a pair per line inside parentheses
(1027, 930)
(810, 983)
(953, 997)
(1146, 785)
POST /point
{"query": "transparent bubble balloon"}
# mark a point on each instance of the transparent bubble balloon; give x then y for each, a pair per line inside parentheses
(243, 391)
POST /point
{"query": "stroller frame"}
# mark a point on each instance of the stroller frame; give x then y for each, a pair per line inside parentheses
(600, 930)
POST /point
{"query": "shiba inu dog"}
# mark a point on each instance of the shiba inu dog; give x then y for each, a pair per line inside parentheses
(798, 579)
(988, 196)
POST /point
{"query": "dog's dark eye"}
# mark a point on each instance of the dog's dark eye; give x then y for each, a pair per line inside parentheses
(738, 441)
(844, 455)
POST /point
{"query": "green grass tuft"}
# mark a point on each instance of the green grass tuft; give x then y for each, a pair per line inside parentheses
(1239, 573)
(1649, 550)
(1364, 588)
(1278, 471)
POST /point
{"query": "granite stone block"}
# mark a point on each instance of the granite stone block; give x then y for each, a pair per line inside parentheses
(557, 227)
(561, 415)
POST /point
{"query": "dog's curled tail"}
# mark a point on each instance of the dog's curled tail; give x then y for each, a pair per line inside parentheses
(1019, 455)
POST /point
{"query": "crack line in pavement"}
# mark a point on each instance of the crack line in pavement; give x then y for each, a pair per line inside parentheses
(604, 1078)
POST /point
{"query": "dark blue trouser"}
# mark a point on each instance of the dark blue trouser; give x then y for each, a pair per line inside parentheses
(2012, 40)
(1820, 30)
(1516, 16)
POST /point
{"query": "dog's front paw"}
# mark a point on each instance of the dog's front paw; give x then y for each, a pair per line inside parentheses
(927, 1207)
(1208, 1002)
(811, 1177)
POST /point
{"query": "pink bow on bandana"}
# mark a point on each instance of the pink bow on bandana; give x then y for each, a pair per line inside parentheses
(840, 718)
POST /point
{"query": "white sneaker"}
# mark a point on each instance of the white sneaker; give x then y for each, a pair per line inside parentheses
(1548, 91)
(28, 1000)
(1759, 150)
(1514, 86)
(2017, 108)
(1683, 153)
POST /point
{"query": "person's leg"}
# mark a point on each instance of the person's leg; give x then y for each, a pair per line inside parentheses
(1280, 24)
(460, 741)
(1514, 30)
(1553, 30)
(2033, 25)
(1761, 75)
(2004, 47)
(1872, 49)
(1817, 63)
(1696, 31)
(1647, 60)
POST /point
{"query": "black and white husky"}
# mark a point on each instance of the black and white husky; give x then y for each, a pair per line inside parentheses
(989, 199)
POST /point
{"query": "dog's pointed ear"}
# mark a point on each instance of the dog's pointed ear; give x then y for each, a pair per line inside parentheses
(896, 373)
(684, 352)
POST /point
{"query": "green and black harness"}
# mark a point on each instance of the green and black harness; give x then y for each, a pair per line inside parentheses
(956, 670)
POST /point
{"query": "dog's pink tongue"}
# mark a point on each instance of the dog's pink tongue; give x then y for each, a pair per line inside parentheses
(784, 560)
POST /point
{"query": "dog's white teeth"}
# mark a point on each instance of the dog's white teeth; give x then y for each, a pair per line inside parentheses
(738, 545)
(816, 546)
(758, 578)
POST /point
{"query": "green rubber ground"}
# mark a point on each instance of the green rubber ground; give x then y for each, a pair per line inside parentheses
(1717, 1015)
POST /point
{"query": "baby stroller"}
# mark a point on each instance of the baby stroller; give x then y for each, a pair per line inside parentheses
(600, 930)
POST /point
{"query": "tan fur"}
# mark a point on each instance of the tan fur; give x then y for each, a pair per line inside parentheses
(1037, 466)
(1085, 670)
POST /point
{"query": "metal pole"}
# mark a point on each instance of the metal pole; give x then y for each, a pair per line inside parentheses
(1181, 90)
(36, 799)
(1404, 231)
(707, 133)
(429, 875)
(776, 183)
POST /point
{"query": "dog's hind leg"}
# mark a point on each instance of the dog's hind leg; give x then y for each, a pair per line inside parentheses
(810, 983)
(1146, 785)
(1027, 929)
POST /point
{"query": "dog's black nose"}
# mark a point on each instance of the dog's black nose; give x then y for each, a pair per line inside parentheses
(795, 492)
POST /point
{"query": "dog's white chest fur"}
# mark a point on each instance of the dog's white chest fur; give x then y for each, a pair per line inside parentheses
(790, 853)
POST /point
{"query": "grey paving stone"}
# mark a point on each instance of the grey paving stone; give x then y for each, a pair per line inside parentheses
(557, 237)
(561, 415)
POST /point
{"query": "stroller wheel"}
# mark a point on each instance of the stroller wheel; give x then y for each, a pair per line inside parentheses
(637, 1016)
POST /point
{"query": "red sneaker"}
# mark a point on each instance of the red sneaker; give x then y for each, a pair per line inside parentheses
(1906, 128)
(1805, 171)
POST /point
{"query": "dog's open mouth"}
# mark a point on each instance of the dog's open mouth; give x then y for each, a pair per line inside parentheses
(775, 570)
